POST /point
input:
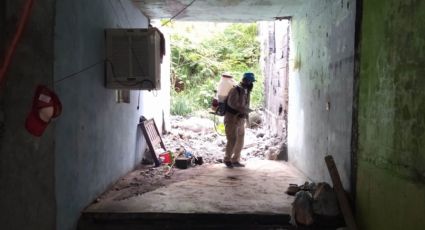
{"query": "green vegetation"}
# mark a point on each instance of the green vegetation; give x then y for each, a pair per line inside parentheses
(199, 59)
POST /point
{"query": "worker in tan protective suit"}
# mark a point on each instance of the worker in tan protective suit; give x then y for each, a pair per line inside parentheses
(237, 110)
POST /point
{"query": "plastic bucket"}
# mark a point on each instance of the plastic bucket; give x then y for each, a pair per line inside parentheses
(165, 158)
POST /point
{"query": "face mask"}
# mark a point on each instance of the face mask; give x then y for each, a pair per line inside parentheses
(249, 86)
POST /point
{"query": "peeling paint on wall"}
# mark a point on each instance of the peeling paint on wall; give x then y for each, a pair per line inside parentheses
(321, 88)
(391, 115)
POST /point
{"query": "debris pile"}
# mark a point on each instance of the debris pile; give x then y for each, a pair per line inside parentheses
(314, 205)
(199, 136)
(196, 139)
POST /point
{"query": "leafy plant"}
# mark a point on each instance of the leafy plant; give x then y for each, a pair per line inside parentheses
(197, 64)
(180, 105)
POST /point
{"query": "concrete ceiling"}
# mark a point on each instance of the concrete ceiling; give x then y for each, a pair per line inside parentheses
(219, 10)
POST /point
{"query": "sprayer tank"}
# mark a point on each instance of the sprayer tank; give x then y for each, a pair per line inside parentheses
(223, 88)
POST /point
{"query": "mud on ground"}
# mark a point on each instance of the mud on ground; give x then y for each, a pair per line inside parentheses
(198, 136)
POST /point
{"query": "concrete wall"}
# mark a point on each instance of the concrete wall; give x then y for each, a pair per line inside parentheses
(274, 37)
(97, 139)
(27, 198)
(3, 27)
(321, 88)
(391, 156)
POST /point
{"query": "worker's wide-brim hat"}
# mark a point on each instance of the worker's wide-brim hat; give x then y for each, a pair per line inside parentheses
(248, 76)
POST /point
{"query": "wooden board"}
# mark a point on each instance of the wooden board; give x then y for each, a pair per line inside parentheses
(340, 192)
(153, 138)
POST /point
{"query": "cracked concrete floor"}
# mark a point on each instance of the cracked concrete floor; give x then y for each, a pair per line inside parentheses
(258, 188)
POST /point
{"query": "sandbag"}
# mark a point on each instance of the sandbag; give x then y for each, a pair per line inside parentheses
(325, 201)
(302, 209)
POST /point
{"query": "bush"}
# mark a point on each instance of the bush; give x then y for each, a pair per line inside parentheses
(197, 65)
(180, 104)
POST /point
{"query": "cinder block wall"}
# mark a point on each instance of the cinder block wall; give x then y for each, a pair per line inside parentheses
(391, 156)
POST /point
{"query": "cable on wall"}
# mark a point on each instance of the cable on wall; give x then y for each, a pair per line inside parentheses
(138, 101)
(106, 59)
(18, 34)
(178, 13)
(80, 71)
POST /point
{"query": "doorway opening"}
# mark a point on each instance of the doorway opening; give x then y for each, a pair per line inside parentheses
(200, 54)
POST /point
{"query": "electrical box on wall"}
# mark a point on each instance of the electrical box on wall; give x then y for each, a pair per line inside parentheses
(133, 59)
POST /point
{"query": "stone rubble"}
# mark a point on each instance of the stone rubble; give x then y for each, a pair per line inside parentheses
(199, 136)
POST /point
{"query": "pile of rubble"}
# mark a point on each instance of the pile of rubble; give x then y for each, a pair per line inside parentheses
(198, 136)
(201, 137)
(315, 205)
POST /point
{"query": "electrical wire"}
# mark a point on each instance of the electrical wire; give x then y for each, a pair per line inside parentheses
(107, 60)
(178, 13)
(124, 83)
(138, 101)
(281, 8)
(137, 61)
(125, 13)
(18, 34)
(21, 26)
(80, 71)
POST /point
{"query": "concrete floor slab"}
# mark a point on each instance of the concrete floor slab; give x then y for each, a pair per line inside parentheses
(259, 188)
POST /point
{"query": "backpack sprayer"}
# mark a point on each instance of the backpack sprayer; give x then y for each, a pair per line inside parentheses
(225, 84)
(218, 104)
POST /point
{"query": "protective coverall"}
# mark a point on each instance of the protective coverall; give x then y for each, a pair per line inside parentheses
(234, 121)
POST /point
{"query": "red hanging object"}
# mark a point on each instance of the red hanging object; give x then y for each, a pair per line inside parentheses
(45, 106)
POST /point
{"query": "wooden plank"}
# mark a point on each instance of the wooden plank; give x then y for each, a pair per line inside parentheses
(340, 192)
(153, 138)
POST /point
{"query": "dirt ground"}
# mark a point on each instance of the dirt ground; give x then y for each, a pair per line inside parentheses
(198, 136)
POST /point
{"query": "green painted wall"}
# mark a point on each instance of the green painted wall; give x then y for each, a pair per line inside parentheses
(391, 156)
